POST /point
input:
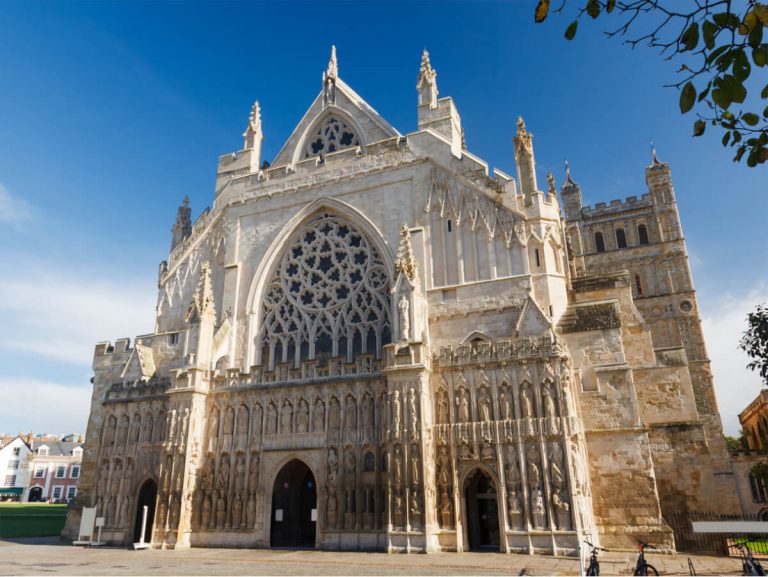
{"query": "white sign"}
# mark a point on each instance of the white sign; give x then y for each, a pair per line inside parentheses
(278, 514)
(314, 515)
(100, 521)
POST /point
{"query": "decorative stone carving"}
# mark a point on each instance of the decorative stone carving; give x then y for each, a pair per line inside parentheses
(442, 407)
(302, 417)
(396, 414)
(334, 417)
(403, 307)
(318, 424)
(271, 419)
(286, 419)
(463, 402)
(486, 411)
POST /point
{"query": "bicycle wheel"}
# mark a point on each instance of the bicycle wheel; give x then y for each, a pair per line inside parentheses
(650, 570)
(593, 569)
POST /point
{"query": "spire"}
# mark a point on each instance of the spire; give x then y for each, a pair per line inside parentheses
(571, 195)
(655, 159)
(330, 76)
(526, 165)
(568, 179)
(202, 299)
(182, 228)
(406, 261)
(426, 82)
(253, 131)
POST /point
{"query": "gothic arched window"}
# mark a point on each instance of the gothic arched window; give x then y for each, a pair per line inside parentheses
(621, 238)
(328, 297)
(599, 242)
(642, 234)
(333, 134)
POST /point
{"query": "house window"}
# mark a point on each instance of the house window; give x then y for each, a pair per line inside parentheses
(642, 234)
(599, 242)
(173, 339)
(638, 285)
(39, 471)
(74, 472)
(71, 492)
(57, 492)
(13, 464)
(42, 451)
(10, 481)
(60, 471)
(16, 451)
(621, 238)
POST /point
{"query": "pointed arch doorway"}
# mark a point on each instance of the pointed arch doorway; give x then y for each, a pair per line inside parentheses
(482, 512)
(148, 497)
(294, 507)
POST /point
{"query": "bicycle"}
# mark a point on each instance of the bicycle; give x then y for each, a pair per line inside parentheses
(749, 565)
(594, 566)
(643, 568)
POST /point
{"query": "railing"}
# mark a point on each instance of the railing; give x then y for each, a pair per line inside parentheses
(686, 539)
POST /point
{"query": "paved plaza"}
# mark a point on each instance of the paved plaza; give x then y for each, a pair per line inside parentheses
(50, 556)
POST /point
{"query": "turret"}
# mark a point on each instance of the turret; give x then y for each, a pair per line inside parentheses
(658, 176)
(438, 115)
(183, 226)
(253, 137)
(526, 165)
(571, 195)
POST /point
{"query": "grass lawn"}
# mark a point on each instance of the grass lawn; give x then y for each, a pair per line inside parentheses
(31, 519)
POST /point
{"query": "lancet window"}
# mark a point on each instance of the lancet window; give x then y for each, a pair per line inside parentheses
(333, 134)
(328, 297)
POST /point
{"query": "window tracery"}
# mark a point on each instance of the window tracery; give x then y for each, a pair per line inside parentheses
(333, 134)
(328, 297)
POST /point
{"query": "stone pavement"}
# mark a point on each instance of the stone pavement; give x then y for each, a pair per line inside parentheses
(49, 556)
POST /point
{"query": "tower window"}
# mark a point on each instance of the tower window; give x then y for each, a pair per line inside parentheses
(642, 234)
(538, 257)
(449, 226)
(599, 242)
(173, 339)
(621, 238)
(638, 285)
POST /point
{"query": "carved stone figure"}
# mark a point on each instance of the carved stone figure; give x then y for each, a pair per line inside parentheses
(221, 512)
(253, 473)
(286, 418)
(237, 512)
(250, 512)
(302, 417)
(415, 466)
(229, 421)
(368, 412)
(334, 416)
(240, 478)
(350, 461)
(556, 466)
(403, 307)
(413, 413)
(271, 419)
(333, 466)
(443, 467)
(333, 509)
(397, 466)
(223, 483)
(415, 509)
(396, 413)
(537, 508)
(485, 406)
(242, 422)
(463, 402)
(258, 416)
(446, 510)
(465, 453)
(351, 414)
(549, 403)
(526, 401)
(318, 424)
(506, 405)
(213, 424)
(206, 515)
(442, 408)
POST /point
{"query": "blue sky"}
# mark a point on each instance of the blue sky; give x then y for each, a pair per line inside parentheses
(111, 112)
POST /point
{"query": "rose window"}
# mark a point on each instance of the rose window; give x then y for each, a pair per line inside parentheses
(334, 134)
(327, 297)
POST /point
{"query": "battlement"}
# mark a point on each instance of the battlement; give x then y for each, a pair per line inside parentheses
(617, 206)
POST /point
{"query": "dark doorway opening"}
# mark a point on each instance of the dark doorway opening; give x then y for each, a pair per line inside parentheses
(294, 507)
(481, 502)
(148, 497)
(35, 494)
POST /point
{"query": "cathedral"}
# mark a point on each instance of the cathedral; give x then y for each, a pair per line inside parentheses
(375, 343)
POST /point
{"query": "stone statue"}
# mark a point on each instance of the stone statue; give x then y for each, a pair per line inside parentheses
(333, 416)
(206, 517)
(237, 512)
(250, 512)
(123, 433)
(444, 467)
(446, 510)
(229, 421)
(184, 425)
(286, 418)
(271, 419)
(319, 417)
(485, 407)
(412, 410)
(415, 476)
(415, 509)
(442, 408)
(463, 402)
(351, 414)
(223, 483)
(253, 474)
(403, 306)
(333, 509)
(465, 453)
(302, 417)
(556, 465)
(396, 412)
(240, 474)
(221, 512)
(333, 466)
(506, 405)
(350, 461)
(242, 422)
(527, 404)
(549, 403)
(397, 463)
(213, 424)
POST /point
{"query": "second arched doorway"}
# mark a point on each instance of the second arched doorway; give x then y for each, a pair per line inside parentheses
(481, 500)
(148, 498)
(294, 507)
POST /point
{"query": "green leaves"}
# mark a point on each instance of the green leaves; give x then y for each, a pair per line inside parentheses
(610, 5)
(542, 9)
(728, 89)
(698, 127)
(750, 118)
(687, 98)
(709, 32)
(570, 32)
(593, 8)
(690, 37)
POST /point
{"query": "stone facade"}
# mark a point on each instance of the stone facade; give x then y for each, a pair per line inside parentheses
(373, 343)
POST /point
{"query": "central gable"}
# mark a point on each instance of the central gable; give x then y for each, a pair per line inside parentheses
(328, 126)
